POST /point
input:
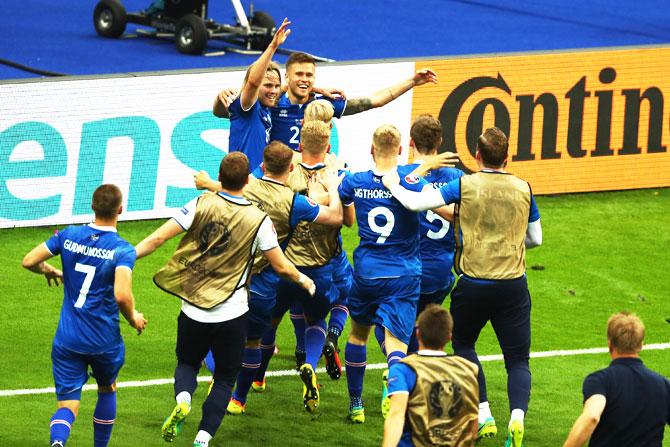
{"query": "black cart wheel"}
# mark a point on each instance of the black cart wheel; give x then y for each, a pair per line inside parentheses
(262, 19)
(109, 18)
(191, 34)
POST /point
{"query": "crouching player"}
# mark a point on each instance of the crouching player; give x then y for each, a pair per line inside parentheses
(434, 396)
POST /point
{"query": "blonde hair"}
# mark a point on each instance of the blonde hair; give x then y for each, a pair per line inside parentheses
(625, 332)
(386, 139)
(315, 136)
(319, 110)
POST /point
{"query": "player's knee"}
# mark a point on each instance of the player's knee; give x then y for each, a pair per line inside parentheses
(253, 344)
(516, 359)
(72, 405)
(107, 388)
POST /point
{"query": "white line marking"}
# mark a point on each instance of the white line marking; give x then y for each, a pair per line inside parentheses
(291, 372)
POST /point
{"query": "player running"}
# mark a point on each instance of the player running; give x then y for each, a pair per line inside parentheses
(97, 278)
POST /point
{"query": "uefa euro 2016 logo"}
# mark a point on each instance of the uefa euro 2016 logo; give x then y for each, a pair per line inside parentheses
(214, 238)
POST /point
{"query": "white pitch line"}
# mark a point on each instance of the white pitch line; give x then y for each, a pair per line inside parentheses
(292, 372)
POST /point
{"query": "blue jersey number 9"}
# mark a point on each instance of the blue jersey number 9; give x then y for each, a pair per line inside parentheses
(384, 231)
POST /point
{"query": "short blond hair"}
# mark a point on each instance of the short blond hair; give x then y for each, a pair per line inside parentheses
(386, 139)
(314, 137)
(625, 332)
(319, 110)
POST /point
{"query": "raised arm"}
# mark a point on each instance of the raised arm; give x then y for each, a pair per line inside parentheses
(332, 213)
(431, 162)
(152, 242)
(35, 261)
(587, 422)
(429, 198)
(223, 101)
(249, 93)
(384, 96)
(123, 291)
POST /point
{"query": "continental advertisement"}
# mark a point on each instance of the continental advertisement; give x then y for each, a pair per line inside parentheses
(577, 121)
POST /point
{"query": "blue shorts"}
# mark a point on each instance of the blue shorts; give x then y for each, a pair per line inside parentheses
(436, 297)
(390, 302)
(314, 307)
(70, 369)
(262, 300)
(342, 277)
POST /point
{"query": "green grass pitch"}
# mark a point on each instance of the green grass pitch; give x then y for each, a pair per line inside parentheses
(602, 253)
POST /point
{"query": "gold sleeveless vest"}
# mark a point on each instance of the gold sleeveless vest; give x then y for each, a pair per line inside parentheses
(444, 401)
(492, 218)
(216, 251)
(276, 200)
(312, 244)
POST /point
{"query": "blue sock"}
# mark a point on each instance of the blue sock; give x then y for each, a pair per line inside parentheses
(103, 419)
(209, 361)
(61, 424)
(394, 357)
(338, 317)
(315, 336)
(251, 361)
(298, 320)
(380, 335)
(355, 360)
(413, 345)
(267, 351)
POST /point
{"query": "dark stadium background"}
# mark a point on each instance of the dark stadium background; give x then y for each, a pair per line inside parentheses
(59, 36)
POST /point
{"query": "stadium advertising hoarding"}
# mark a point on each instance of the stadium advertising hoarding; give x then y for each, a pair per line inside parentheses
(59, 140)
(578, 121)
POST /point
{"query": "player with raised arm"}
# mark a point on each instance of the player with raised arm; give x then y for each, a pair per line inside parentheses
(209, 272)
(250, 120)
(97, 278)
(496, 220)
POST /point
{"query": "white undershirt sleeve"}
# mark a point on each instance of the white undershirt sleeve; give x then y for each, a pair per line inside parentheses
(427, 199)
(534, 234)
(266, 239)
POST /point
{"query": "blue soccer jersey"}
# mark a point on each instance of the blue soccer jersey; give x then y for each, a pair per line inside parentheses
(437, 238)
(389, 233)
(287, 118)
(89, 319)
(249, 130)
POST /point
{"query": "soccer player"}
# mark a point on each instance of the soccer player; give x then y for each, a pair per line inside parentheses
(497, 220)
(288, 113)
(312, 248)
(208, 271)
(286, 209)
(434, 396)
(97, 278)
(625, 403)
(387, 265)
(250, 120)
(437, 234)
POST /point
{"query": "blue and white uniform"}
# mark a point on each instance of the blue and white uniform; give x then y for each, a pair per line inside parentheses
(437, 244)
(387, 264)
(264, 285)
(88, 329)
(249, 130)
(287, 118)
